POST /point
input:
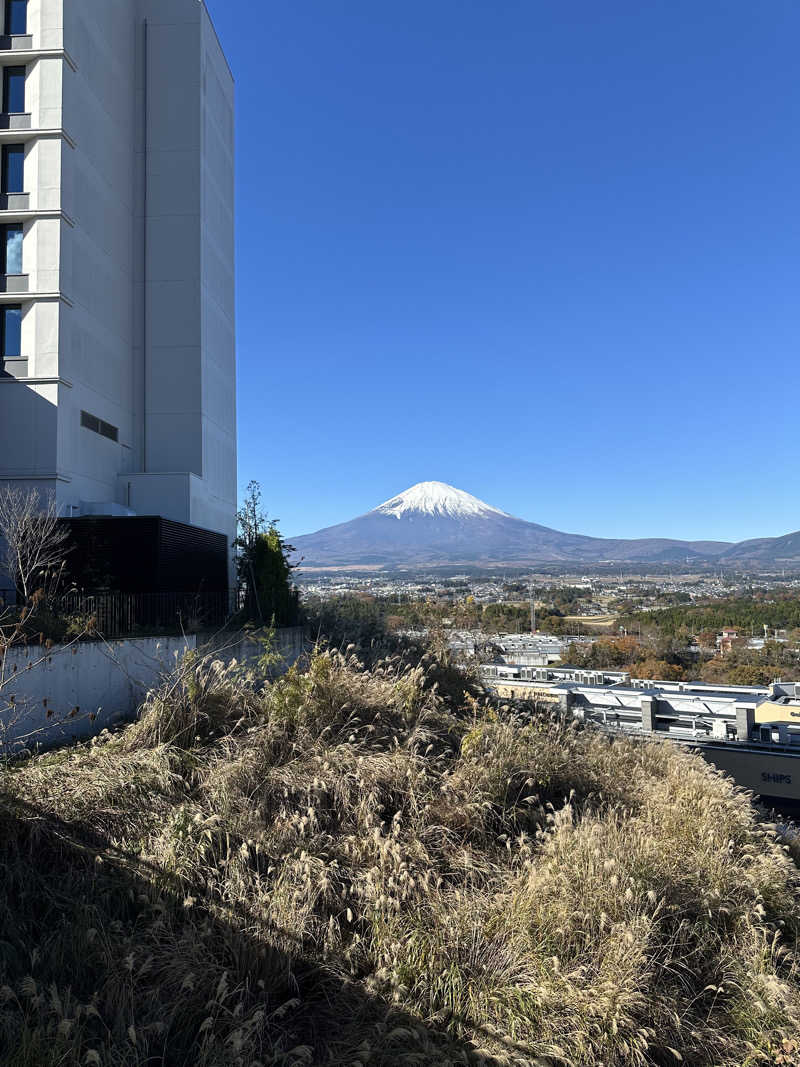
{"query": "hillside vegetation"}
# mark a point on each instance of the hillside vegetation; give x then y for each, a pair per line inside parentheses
(751, 613)
(374, 866)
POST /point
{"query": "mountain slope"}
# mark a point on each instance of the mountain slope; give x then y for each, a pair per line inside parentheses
(775, 550)
(433, 523)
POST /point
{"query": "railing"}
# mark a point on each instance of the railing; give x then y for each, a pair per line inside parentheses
(131, 614)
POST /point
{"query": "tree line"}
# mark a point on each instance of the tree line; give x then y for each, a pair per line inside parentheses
(749, 614)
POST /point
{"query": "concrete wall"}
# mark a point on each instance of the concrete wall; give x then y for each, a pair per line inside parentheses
(290, 644)
(62, 695)
(55, 694)
(189, 291)
(172, 220)
(218, 283)
(98, 194)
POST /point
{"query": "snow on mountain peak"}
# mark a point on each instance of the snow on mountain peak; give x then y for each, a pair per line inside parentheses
(437, 499)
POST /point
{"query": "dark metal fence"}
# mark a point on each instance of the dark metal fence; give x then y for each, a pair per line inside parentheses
(128, 614)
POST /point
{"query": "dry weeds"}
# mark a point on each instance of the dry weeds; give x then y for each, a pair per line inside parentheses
(348, 867)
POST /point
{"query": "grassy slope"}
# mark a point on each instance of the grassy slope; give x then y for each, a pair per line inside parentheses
(351, 867)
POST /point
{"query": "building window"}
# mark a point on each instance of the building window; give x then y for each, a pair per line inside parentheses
(105, 429)
(11, 331)
(14, 90)
(13, 176)
(11, 249)
(16, 22)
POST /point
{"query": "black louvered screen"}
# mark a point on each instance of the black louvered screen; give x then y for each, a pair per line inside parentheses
(143, 554)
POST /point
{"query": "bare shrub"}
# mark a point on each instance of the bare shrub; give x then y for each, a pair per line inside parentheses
(33, 543)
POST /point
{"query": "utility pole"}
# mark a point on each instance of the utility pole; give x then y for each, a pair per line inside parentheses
(533, 610)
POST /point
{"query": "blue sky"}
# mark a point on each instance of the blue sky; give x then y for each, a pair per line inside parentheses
(548, 252)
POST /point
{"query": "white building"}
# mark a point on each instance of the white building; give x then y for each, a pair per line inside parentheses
(117, 377)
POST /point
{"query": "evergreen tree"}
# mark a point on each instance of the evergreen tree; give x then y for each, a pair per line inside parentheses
(264, 566)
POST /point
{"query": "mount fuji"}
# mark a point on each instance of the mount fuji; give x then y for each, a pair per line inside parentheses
(434, 524)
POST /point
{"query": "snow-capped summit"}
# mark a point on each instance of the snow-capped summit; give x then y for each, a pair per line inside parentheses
(433, 524)
(436, 499)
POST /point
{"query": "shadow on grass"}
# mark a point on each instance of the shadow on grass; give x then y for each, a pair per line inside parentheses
(105, 959)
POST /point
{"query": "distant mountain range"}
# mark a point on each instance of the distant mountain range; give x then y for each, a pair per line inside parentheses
(433, 524)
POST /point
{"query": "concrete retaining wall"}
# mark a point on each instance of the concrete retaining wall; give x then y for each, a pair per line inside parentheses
(289, 645)
(59, 695)
(65, 694)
